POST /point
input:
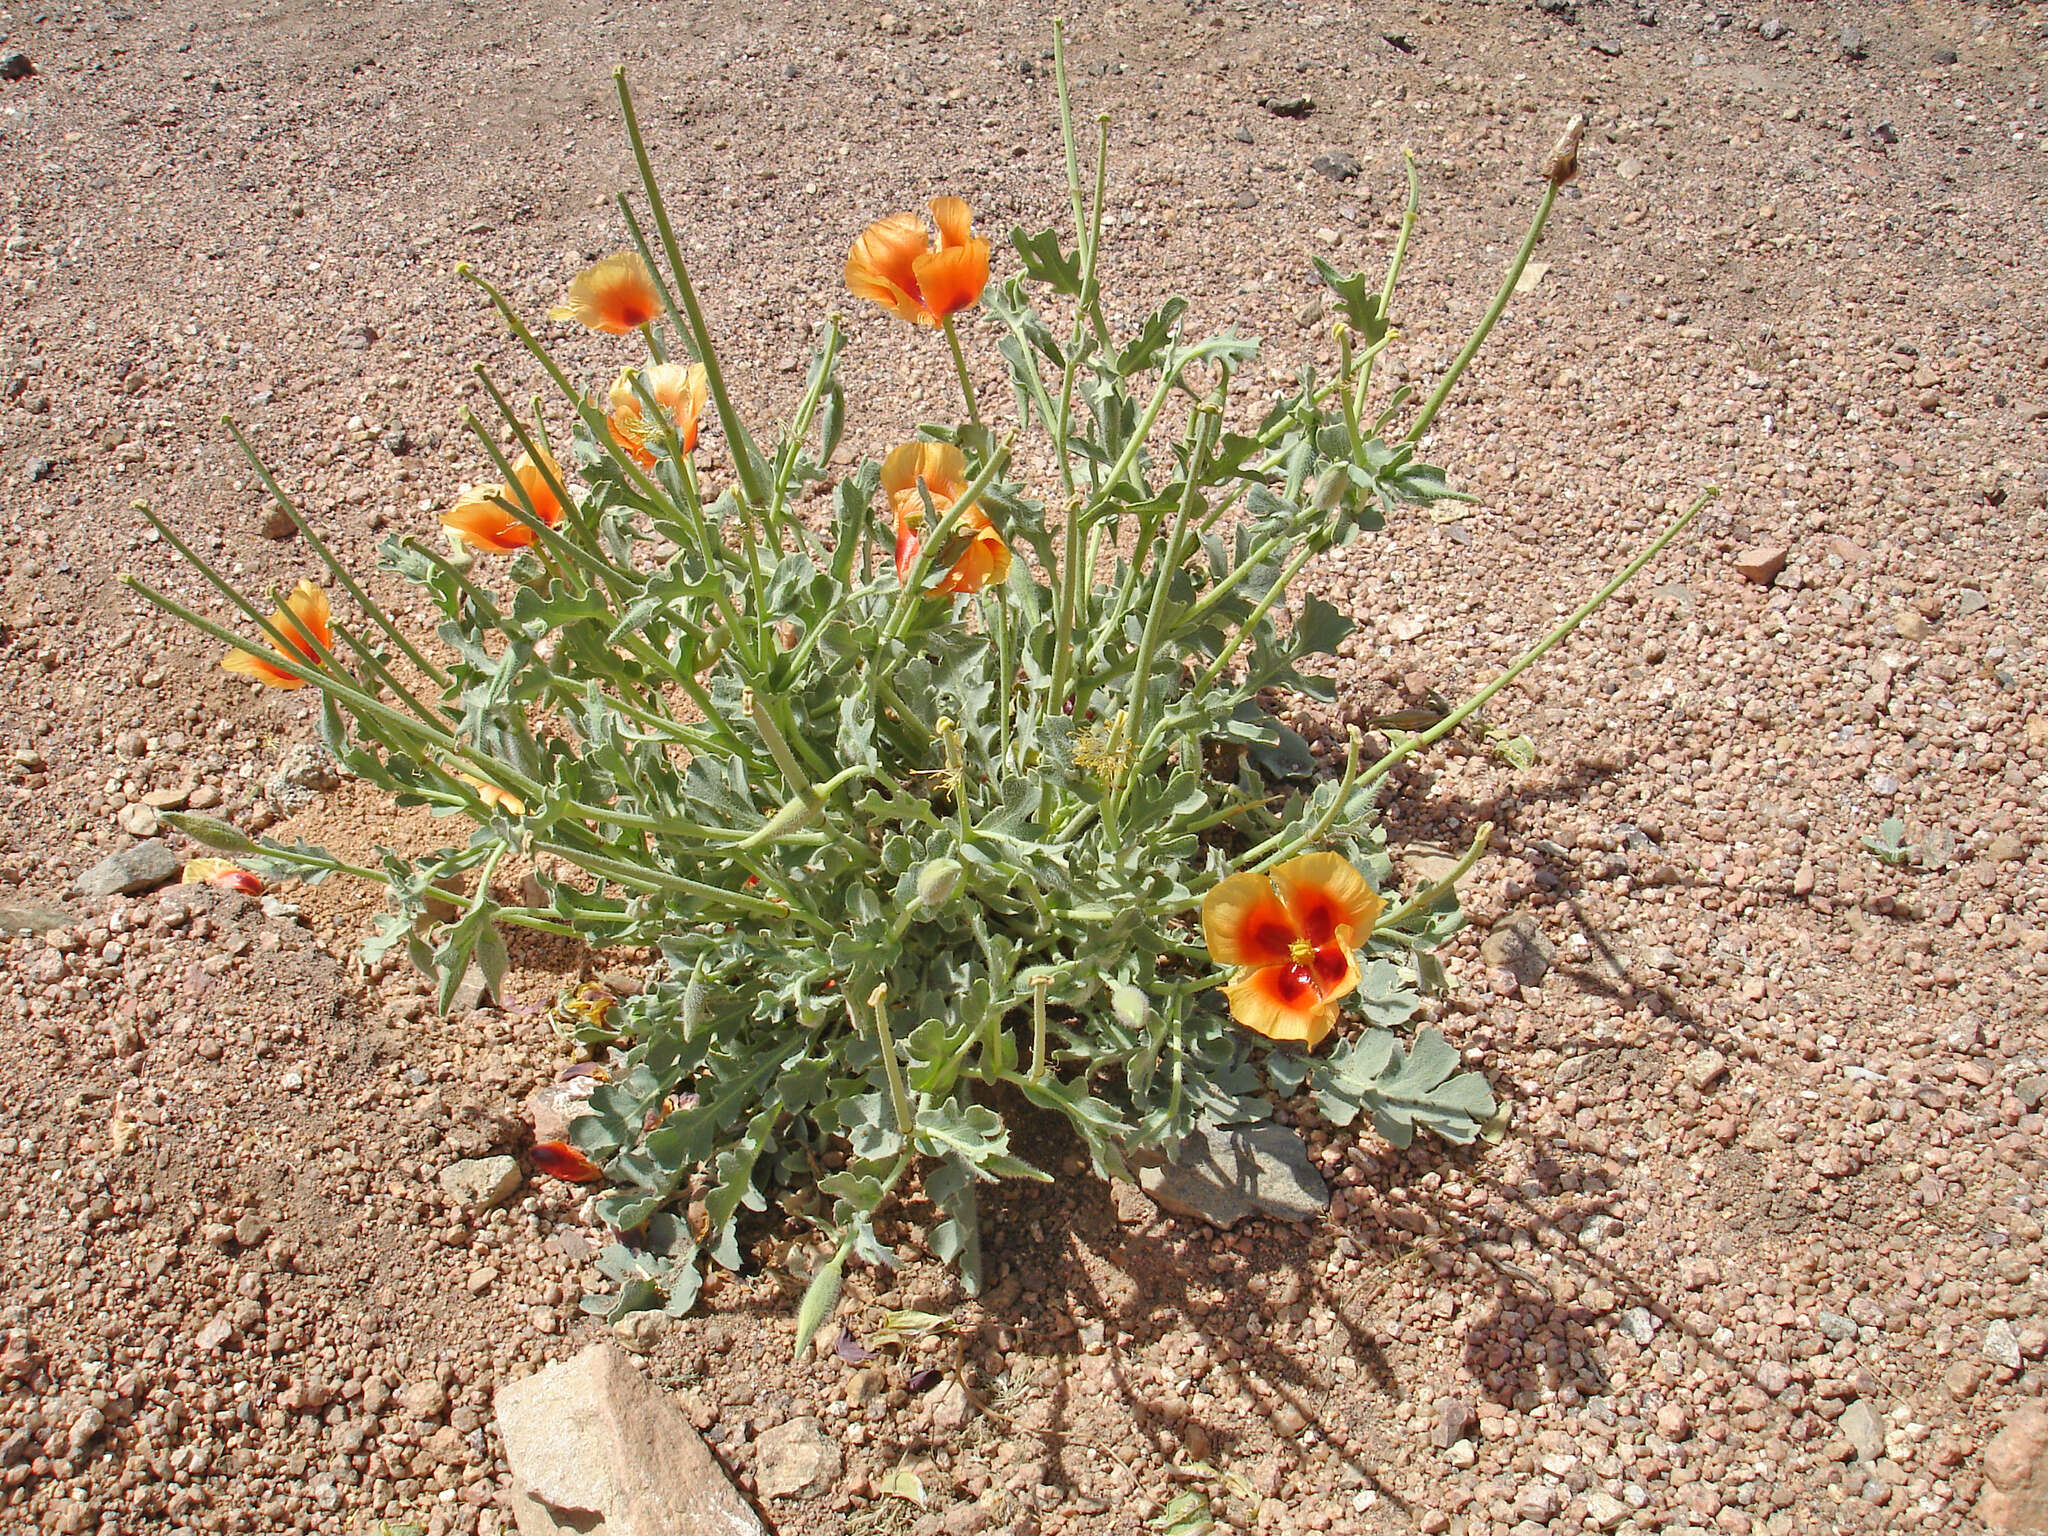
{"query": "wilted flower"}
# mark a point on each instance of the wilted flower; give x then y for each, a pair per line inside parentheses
(481, 522)
(893, 263)
(942, 469)
(1291, 934)
(677, 389)
(225, 873)
(615, 295)
(562, 1161)
(309, 604)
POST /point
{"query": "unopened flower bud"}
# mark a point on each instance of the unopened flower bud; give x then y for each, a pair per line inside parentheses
(1563, 163)
(1330, 488)
(936, 883)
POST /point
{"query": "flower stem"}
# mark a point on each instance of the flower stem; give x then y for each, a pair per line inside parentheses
(1430, 895)
(745, 457)
(1536, 652)
(899, 1097)
(1478, 337)
(1039, 986)
(960, 368)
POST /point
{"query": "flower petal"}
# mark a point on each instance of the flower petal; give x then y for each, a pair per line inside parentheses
(560, 1160)
(1245, 923)
(309, 606)
(615, 295)
(880, 266)
(481, 522)
(951, 280)
(539, 480)
(1280, 1002)
(1324, 893)
(953, 220)
(1334, 967)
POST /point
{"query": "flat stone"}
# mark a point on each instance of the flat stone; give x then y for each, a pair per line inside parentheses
(28, 918)
(478, 1183)
(1862, 1428)
(1910, 625)
(139, 820)
(1706, 1069)
(2016, 1467)
(1517, 944)
(1603, 1510)
(1761, 563)
(141, 868)
(594, 1446)
(1223, 1175)
(796, 1460)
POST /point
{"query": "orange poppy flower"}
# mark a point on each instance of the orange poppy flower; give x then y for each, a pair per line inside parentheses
(1290, 932)
(478, 519)
(942, 469)
(225, 873)
(309, 603)
(893, 263)
(677, 389)
(615, 295)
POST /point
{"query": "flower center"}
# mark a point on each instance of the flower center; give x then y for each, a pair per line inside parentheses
(1300, 951)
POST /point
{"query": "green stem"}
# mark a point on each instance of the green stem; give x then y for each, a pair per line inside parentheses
(1408, 217)
(1040, 984)
(745, 458)
(1283, 844)
(1536, 652)
(1430, 895)
(1493, 312)
(341, 574)
(899, 1096)
(960, 369)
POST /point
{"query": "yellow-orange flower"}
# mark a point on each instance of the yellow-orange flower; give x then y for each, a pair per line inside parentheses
(893, 263)
(309, 604)
(942, 469)
(494, 798)
(677, 389)
(615, 295)
(1291, 933)
(481, 519)
(225, 873)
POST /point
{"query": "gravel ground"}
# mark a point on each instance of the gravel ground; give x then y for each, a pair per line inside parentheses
(1763, 1251)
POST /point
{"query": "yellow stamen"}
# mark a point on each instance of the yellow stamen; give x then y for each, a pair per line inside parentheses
(1301, 951)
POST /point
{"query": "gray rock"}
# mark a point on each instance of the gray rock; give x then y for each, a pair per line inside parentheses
(594, 1446)
(1772, 29)
(304, 773)
(141, 868)
(478, 1183)
(1223, 1175)
(1337, 165)
(1834, 1326)
(795, 1460)
(1851, 39)
(1517, 944)
(1638, 1324)
(2001, 1344)
(1862, 1428)
(38, 468)
(1945, 56)
(26, 917)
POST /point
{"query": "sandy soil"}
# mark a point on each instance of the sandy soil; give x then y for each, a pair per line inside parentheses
(1763, 1252)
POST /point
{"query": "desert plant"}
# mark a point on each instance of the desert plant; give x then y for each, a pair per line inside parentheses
(919, 808)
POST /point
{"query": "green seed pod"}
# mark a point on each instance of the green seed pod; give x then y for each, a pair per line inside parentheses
(1330, 488)
(820, 1299)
